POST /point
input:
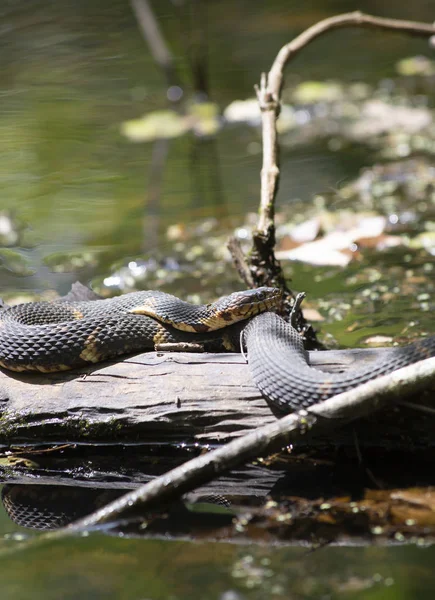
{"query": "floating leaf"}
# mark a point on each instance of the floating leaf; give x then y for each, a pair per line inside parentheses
(8, 230)
(311, 92)
(16, 263)
(337, 248)
(248, 111)
(424, 240)
(416, 65)
(205, 117)
(378, 117)
(379, 340)
(243, 111)
(156, 125)
(65, 262)
(18, 461)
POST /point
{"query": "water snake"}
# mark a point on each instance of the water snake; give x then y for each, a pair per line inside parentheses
(66, 334)
(280, 369)
(55, 336)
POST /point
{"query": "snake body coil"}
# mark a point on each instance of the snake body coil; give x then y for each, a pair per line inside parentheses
(279, 365)
(61, 335)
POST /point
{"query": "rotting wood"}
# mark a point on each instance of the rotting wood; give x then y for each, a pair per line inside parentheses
(175, 398)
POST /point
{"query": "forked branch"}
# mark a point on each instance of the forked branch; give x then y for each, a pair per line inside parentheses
(261, 262)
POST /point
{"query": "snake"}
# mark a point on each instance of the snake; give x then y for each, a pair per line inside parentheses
(48, 507)
(280, 367)
(66, 334)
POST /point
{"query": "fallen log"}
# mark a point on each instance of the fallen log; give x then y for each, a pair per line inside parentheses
(176, 398)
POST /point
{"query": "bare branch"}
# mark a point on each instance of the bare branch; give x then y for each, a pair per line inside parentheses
(240, 261)
(269, 95)
(353, 19)
(263, 265)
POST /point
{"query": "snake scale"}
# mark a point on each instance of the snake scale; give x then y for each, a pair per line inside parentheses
(66, 334)
(280, 369)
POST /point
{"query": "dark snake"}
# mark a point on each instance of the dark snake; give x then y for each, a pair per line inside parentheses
(61, 335)
(67, 334)
(280, 366)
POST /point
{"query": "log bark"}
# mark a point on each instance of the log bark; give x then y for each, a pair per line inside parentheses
(175, 398)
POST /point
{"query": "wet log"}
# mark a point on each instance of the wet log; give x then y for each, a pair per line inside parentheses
(176, 398)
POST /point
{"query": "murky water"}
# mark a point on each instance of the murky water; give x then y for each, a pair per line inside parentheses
(83, 198)
(99, 567)
(112, 567)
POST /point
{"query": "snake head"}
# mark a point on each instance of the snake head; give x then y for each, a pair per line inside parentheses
(246, 304)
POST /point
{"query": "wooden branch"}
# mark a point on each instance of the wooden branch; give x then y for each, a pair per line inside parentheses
(353, 19)
(322, 417)
(239, 261)
(269, 103)
(264, 267)
(270, 91)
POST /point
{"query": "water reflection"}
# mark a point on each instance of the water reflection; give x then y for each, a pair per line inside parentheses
(299, 499)
(49, 507)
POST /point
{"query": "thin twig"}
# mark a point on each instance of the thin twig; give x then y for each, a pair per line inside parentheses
(264, 267)
(353, 19)
(296, 307)
(270, 92)
(322, 417)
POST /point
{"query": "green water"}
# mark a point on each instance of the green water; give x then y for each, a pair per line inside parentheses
(101, 567)
(71, 73)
